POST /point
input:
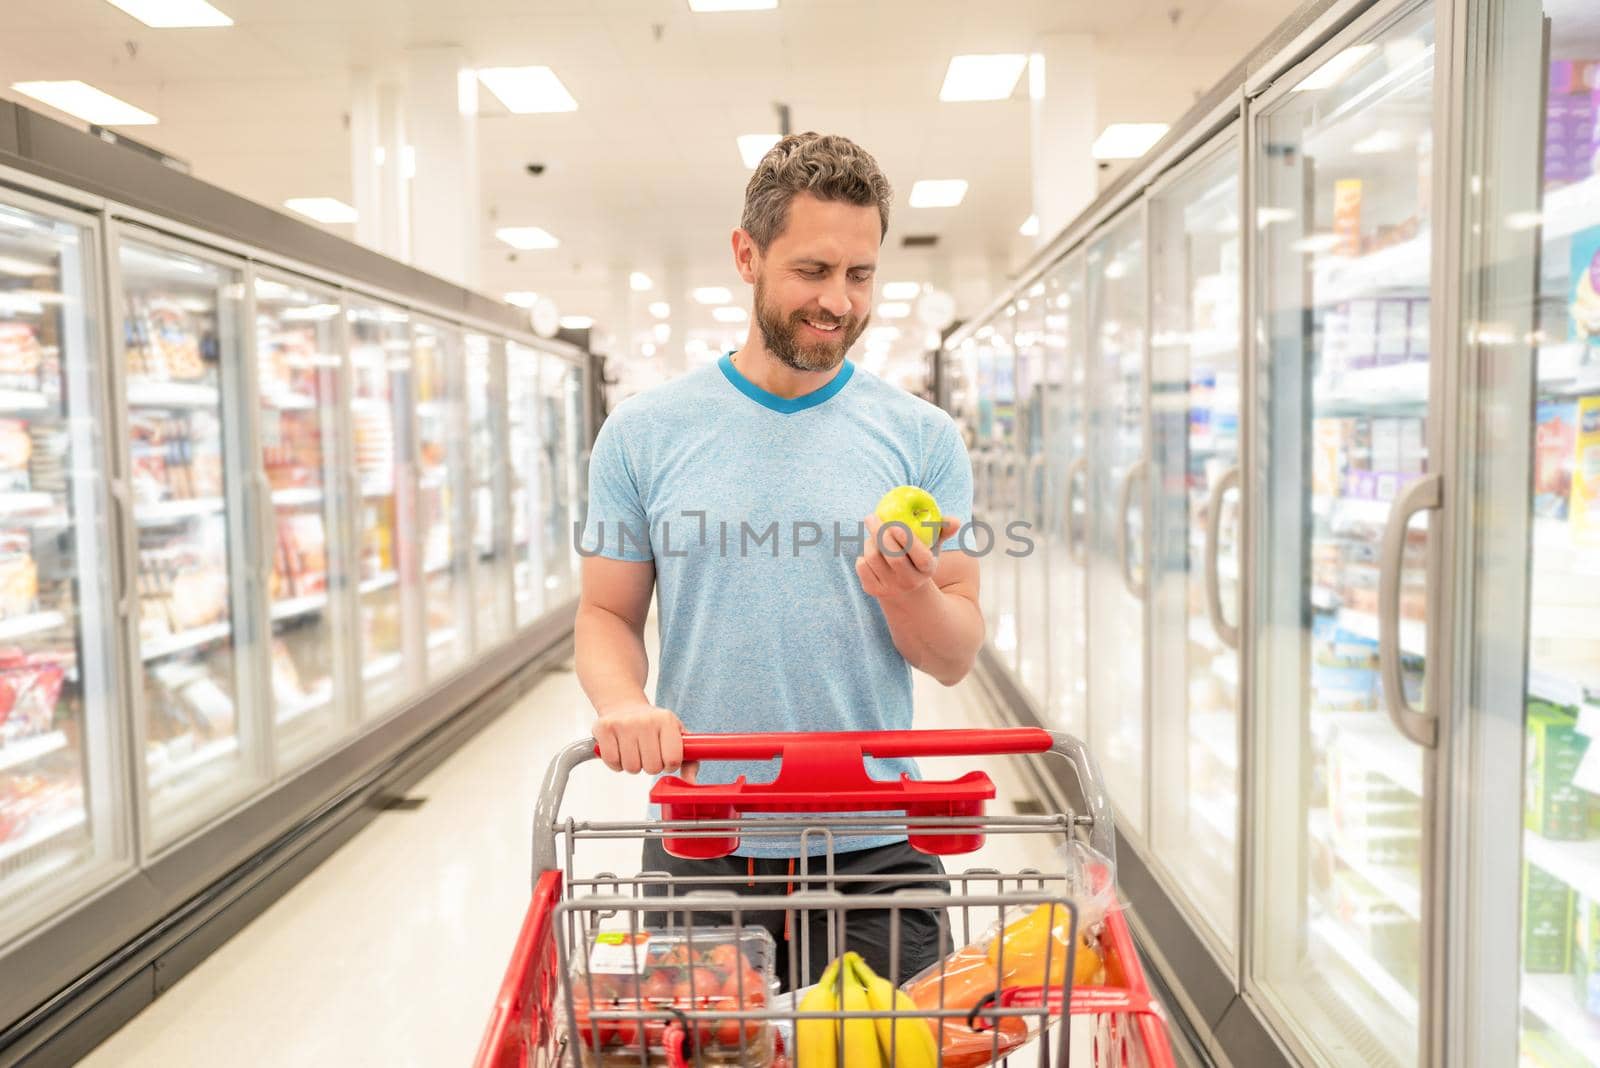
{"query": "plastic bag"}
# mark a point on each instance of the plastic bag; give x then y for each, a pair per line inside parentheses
(1026, 948)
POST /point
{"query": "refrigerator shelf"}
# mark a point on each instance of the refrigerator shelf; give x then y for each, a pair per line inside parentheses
(184, 767)
(1549, 997)
(1221, 819)
(436, 567)
(18, 754)
(32, 623)
(1395, 387)
(1406, 265)
(1359, 509)
(380, 667)
(21, 402)
(1375, 976)
(180, 643)
(379, 582)
(156, 394)
(1571, 208)
(1576, 863)
(291, 402)
(1216, 738)
(298, 606)
(315, 701)
(1563, 372)
(1370, 737)
(43, 835)
(13, 503)
(371, 491)
(1396, 882)
(297, 496)
(1413, 635)
(164, 512)
(441, 638)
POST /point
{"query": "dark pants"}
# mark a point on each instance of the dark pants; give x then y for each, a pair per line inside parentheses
(867, 931)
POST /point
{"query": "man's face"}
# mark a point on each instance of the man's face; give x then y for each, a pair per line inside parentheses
(813, 286)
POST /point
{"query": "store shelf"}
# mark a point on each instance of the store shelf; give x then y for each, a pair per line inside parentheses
(180, 643)
(1571, 208)
(1347, 946)
(379, 582)
(370, 491)
(1549, 997)
(1216, 815)
(441, 638)
(208, 753)
(1413, 635)
(1359, 509)
(1372, 740)
(1557, 689)
(1216, 738)
(172, 395)
(436, 568)
(43, 833)
(18, 754)
(380, 667)
(32, 623)
(1376, 389)
(1397, 883)
(289, 498)
(1565, 372)
(315, 701)
(1575, 863)
(12, 504)
(168, 511)
(290, 402)
(20, 402)
(298, 606)
(1403, 266)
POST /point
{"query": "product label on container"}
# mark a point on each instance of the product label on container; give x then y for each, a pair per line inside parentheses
(619, 953)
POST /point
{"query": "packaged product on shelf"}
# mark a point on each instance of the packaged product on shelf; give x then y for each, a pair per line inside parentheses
(287, 686)
(1383, 928)
(174, 342)
(16, 450)
(30, 690)
(19, 575)
(47, 468)
(1335, 350)
(1555, 444)
(1555, 807)
(1571, 134)
(1327, 444)
(1413, 447)
(1394, 331)
(1586, 951)
(1547, 905)
(1363, 333)
(1418, 343)
(20, 356)
(1584, 270)
(1347, 216)
(1585, 506)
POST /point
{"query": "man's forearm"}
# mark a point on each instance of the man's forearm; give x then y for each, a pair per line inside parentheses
(611, 659)
(936, 631)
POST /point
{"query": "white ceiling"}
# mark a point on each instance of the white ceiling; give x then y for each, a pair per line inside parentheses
(646, 172)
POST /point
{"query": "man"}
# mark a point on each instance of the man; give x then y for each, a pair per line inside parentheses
(738, 493)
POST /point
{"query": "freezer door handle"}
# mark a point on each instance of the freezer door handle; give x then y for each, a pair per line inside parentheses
(1227, 632)
(120, 528)
(1035, 465)
(1135, 472)
(1424, 494)
(268, 527)
(1077, 548)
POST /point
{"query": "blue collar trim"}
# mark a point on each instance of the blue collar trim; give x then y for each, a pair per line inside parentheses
(784, 405)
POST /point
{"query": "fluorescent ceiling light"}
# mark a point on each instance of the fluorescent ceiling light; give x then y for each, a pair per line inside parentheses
(706, 6)
(662, 332)
(660, 309)
(981, 77)
(522, 298)
(1333, 72)
(1127, 140)
(902, 290)
(322, 209)
(84, 101)
(527, 237)
(729, 313)
(712, 295)
(938, 192)
(173, 14)
(647, 349)
(576, 322)
(640, 282)
(527, 90)
(753, 146)
(894, 310)
(1029, 227)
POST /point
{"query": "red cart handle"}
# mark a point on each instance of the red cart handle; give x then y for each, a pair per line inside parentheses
(827, 773)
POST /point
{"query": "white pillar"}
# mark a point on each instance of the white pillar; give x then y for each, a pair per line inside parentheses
(378, 181)
(441, 119)
(1062, 129)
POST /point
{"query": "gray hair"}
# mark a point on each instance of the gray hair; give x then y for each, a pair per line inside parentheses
(826, 166)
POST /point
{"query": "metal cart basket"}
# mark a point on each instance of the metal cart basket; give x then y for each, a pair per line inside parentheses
(548, 1011)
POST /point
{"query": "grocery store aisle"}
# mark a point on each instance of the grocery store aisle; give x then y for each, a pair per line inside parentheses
(390, 953)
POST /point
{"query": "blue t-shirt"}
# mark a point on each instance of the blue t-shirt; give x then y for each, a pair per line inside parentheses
(752, 507)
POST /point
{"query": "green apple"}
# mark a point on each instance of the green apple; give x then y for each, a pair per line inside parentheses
(913, 506)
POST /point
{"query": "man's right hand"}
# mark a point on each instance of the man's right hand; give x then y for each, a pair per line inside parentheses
(637, 736)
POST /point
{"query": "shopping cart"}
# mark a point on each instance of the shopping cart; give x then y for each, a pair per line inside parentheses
(547, 1012)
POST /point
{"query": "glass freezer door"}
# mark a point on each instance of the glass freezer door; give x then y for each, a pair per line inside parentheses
(300, 400)
(1117, 490)
(1004, 464)
(380, 372)
(441, 459)
(1031, 567)
(487, 471)
(577, 464)
(1342, 271)
(181, 356)
(1067, 511)
(1196, 285)
(556, 469)
(61, 827)
(528, 480)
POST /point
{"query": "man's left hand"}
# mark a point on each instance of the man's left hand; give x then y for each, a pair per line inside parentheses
(903, 565)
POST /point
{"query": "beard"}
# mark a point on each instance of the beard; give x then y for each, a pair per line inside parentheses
(783, 336)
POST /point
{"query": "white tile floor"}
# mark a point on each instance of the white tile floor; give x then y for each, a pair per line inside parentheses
(390, 953)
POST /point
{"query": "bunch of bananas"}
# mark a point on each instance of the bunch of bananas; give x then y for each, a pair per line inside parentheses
(867, 1041)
